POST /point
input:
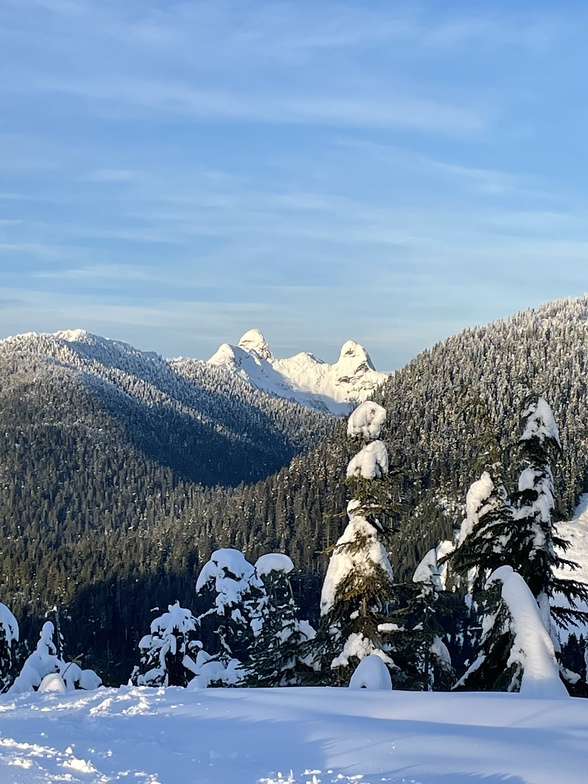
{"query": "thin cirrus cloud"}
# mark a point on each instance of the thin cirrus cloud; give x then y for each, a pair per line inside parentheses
(156, 96)
(177, 172)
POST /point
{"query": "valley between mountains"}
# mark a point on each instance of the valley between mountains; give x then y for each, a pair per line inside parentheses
(122, 471)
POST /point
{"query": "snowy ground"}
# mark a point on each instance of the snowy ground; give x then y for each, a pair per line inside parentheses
(291, 736)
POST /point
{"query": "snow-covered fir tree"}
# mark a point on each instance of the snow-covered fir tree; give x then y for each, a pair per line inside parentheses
(534, 543)
(278, 657)
(169, 652)
(516, 650)
(485, 532)
(358, 583)
(423, 616)
(230, 584)
(46, 670)
(9, 634)
(518, 534)
(487, 527)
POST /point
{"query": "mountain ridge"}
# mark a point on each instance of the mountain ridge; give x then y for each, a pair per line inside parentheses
(207, 411)
(303, 377)
(94, 523)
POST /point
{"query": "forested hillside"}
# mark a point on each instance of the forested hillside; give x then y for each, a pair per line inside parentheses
(105, 509)
(99, 440)
(207, 427)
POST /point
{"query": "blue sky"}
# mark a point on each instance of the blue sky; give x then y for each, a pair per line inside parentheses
(175, 173)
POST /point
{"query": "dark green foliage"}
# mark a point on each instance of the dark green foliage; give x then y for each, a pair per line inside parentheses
(9, 634)
(100, 513)
(573, 655)
(378, 500)
(573, 661)
(490, 671)
(276, 657)
(421, 646)
(533, 545)
(486, 546)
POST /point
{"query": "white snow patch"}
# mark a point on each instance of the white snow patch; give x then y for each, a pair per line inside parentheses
(44, 661)
(345, 561)
(371, 673)
(273, 562)
(429, 571)
(232, 576)
(249, 736)
(532, 646)
(211, 670)
(366, 421)
(371, 462)
(540, 422)
(476, 498)
(53, 682)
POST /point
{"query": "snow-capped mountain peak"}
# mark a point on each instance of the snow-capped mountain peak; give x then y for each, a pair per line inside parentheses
(303, 377)
(255, 341)
(353, 360)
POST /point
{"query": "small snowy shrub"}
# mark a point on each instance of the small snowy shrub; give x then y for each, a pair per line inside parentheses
(168, 653)
(371, 673)
(45, 661)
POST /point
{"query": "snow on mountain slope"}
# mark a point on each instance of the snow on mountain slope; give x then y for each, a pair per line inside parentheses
(303, 377)
(176, 412)
(576, 532)
(291, 736)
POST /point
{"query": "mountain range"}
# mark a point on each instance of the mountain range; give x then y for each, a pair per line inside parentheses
(303, 378)
(120, 471)
(206, 424)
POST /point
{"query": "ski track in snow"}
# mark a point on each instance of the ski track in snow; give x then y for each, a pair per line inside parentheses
(290, 736)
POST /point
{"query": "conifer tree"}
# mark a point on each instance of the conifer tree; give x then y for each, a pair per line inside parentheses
(516, 651)
(423, 618)
(168, 653)
(277, 657)
(500, 535)
(229, 582)
(358, 584)
(534, 543)
(482, 541)
(484, 534)
(9, 634)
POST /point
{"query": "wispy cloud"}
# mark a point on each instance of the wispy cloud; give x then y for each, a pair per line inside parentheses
(159, 98)
(473, 178)
(393, 168)
(250, 62)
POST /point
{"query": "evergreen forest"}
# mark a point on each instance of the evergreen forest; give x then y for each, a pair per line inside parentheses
(122, 473)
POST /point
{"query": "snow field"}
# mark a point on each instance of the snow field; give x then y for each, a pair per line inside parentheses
(291, 736)
(304, 377)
